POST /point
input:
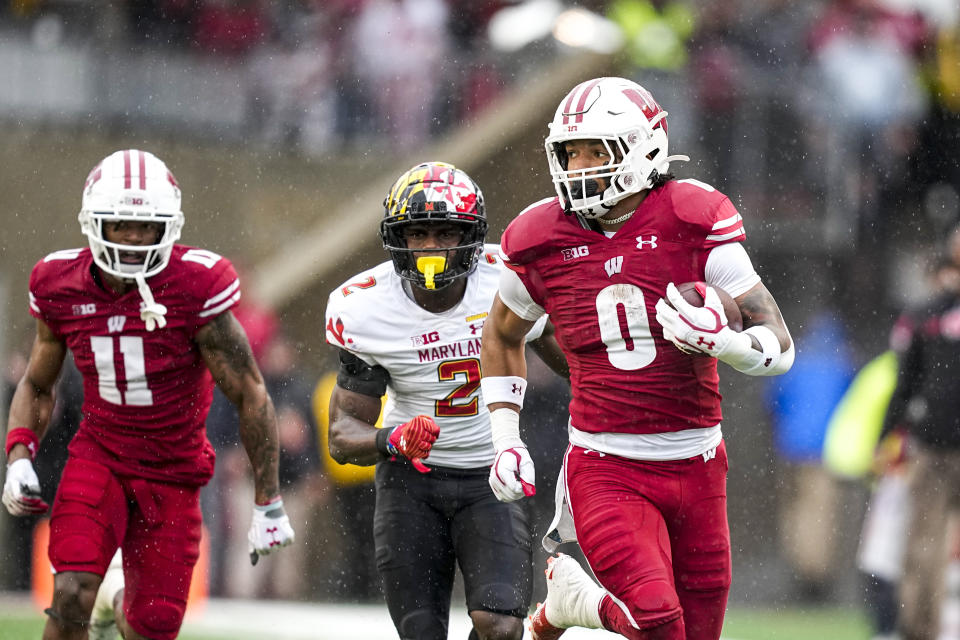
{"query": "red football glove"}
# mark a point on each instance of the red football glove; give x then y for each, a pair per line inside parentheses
(414, 440)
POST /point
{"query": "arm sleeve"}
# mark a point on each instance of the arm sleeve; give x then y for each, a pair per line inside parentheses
(910, 375)
(517, 298)
(729, 267)
(360, 377)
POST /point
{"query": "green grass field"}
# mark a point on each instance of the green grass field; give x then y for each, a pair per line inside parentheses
(30, 628)
(741, 624)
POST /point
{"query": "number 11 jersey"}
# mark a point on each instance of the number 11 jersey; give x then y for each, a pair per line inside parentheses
(146, 393)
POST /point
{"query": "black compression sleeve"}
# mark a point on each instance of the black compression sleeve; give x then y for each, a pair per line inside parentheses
(358, 376)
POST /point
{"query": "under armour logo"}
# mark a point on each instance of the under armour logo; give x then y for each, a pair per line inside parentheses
(652, 242)
(517, 390)
(767, 362)
(273, 534)
(613, 265)
(474, 328)
(703, 343)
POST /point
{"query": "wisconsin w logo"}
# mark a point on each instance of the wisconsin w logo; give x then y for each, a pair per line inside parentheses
(613, 265)
(115, 323)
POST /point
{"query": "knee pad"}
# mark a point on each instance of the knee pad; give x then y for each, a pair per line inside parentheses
(422, 625)
(651, 603)
(156, 617)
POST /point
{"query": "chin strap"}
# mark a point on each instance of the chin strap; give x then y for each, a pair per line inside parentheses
(151, 312)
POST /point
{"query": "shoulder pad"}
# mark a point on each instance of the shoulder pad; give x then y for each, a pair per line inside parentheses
(529, 235)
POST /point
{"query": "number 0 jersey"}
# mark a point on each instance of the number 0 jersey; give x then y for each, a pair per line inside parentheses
(146, 393)
(601, 292)
(433, 358)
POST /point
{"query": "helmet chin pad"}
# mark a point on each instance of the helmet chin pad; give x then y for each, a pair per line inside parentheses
(131, 268)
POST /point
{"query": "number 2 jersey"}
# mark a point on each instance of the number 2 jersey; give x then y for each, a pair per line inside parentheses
(146, 394)
(601, 292)
(433, 359)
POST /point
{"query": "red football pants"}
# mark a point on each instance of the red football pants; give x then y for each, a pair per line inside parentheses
(156, 524)
(656, 536)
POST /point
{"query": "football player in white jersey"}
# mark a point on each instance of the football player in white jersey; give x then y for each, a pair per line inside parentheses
(411, 328)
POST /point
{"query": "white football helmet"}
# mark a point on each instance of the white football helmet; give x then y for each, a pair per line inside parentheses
(131, 185)
(625, 117)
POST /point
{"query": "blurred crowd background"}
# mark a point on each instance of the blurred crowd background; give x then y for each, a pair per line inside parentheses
(833, 125)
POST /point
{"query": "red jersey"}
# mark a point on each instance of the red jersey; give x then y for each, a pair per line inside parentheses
(146, 393)
(601, 295)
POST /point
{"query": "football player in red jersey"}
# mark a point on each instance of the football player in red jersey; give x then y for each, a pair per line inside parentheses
(644, 477)
(149, 325)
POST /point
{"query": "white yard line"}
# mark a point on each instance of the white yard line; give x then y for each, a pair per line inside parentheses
(301, 621)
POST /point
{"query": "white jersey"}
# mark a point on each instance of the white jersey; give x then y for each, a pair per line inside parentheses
(433, 358)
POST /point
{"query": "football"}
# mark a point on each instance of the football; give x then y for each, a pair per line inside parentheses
(693, 292)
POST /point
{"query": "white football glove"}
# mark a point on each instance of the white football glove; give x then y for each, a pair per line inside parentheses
(699, 329)
(21, 491)
(512, 475)
(270, 530)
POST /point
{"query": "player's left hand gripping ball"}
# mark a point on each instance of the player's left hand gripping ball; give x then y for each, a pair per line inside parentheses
(270, 530)
(695, 329)
(21, 490)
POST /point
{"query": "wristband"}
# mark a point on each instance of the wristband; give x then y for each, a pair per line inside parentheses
(780, 361)
(383, 442)
(273, 509)
(505, 429)
(510, 389)
(26, 437)
(753, 362)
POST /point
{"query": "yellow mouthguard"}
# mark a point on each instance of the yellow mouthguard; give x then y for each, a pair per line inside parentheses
(430, 266)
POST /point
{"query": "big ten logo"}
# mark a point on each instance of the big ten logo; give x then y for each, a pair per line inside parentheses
(425, 338)
(575, 252)
(84, 309)
(134, 200)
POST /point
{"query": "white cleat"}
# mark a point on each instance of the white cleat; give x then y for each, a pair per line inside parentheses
(103, 623)
(573, 600)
